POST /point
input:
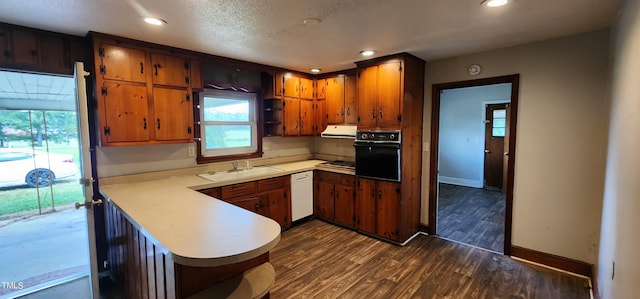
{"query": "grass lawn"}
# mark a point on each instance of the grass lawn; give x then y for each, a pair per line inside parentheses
(26, 199)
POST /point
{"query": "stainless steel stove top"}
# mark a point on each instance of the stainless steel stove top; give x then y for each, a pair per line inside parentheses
(350, 165)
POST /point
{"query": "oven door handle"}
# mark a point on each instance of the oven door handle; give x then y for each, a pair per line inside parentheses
(372, 144)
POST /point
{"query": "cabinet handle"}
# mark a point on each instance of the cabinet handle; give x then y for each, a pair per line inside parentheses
(379, 195)
(342, 111)
(348, 111)
(141, 68)
(33, 52)
(158, 124)
(144, 120)
(373, 193)
(381, 114)
(337, 194)
(155, 66)
(256, 207)
(373, 113)
(297, 124)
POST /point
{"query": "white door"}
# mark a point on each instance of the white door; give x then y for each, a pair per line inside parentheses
(48, 252)
(86, 170)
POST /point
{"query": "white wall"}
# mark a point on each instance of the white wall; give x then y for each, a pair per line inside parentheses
(561, 137)
(462, 132)
(620, 238)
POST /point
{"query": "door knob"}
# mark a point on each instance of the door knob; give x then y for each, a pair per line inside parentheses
(506, 153)
(487, 151)
(88, 204)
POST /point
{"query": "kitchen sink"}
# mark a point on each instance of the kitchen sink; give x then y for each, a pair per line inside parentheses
(222, 176)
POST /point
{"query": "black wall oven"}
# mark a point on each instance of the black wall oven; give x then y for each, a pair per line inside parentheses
(378, 155)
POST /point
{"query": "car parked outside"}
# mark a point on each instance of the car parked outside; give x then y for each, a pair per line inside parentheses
(33, 168)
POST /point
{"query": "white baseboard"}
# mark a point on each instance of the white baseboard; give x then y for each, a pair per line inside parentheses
(460, 182)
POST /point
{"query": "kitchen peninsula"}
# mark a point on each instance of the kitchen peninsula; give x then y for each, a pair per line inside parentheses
(168, 239)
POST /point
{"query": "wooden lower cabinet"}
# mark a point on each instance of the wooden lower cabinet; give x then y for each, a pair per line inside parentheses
(378, 208)
(269, 197)
(334, 197)
(147, 271)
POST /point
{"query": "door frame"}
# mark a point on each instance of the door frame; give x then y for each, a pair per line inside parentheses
(436, 90)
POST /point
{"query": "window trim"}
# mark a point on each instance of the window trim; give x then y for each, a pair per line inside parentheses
(200, 157)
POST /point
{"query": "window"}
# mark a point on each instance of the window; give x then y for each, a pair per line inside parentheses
(228, 124)
(499, 123)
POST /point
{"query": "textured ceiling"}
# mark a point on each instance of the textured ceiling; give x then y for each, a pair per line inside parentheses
(273, 33)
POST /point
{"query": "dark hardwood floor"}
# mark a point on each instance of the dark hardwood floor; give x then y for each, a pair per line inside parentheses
(473, 216)
(320, 260)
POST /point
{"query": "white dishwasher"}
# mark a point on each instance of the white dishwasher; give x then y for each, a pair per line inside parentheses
(301, 195)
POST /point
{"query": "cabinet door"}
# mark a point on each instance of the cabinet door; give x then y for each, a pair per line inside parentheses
(389, 84)
(278, 207)
(25, 47)
(291, 116)
(120, 63)
(5, 50)
(54, 56)
(253, 203)
(388, 210)
(321, 89)
(173, 114)
(350, 91)
(345, 202)
(170, 70)
(306, 118)
(335, 100)
(291, 86)
(320, 116)
(306, 88)
(196, 76)
(126, 112)
(324, 203)
(366, 205)
(367, 97)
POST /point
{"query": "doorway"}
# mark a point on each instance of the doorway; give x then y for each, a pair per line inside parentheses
(462, 207)
(44, 154)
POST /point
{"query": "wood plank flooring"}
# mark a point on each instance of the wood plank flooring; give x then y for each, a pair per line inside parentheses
(473, 216)
(320, 260)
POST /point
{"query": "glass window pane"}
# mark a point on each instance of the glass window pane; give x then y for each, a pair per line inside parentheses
(502, 113)
(227, 136)
(499, 123)
(498, 132)
(227, 110)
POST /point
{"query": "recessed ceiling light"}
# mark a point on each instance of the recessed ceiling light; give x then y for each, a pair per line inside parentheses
(309, 21)
(315, 70)
(367, 52)
(494, 3)
(155, 21)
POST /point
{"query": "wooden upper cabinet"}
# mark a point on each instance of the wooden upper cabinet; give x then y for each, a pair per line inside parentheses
(320, 116)
(25, 45)
(125, 113)
(5, 47)
(291, 116)
(121, 63)
(291, 86)
(306, 88)
(173, 114)
(55, 56)
(389, 87)
(321, 89)
(379, 95)
(170, 70)
(350, 97)
(306, 117)
(335, 100)
(367, 97)
(196, 76)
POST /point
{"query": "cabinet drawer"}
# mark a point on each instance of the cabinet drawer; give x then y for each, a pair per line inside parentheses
(243, 189)
(335, 178)
(271, 184)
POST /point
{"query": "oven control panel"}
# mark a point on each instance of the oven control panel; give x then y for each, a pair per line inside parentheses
(378, 136)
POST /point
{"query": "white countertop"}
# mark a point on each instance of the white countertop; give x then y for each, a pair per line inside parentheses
(196, 229)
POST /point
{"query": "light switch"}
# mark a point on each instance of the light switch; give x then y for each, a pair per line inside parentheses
(425, 147)
(191, 151)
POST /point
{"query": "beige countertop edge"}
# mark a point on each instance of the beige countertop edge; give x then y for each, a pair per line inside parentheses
(181, 185)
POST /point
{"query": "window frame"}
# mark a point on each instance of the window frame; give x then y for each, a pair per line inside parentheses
(227, 154)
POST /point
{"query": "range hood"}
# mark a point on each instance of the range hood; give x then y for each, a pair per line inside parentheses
(339, 131)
